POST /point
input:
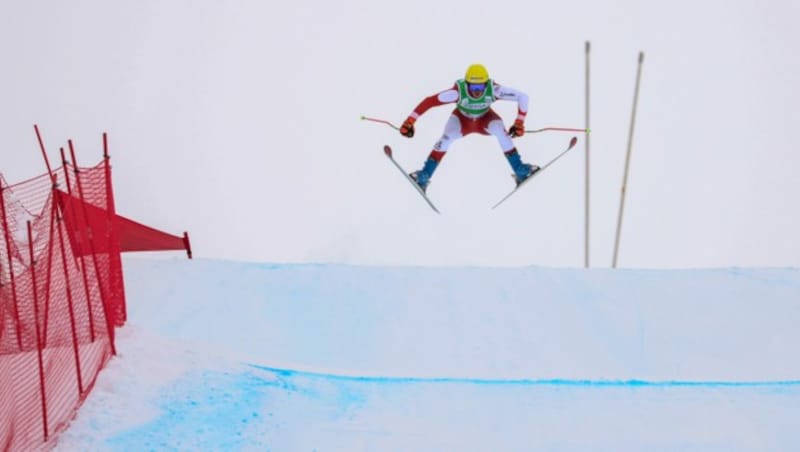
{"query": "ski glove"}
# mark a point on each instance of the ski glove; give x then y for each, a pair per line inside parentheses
(407, 129)
(518, 129)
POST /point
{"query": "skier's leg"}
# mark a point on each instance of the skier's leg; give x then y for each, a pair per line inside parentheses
(452, 132)
(522, 170)
(495, 127)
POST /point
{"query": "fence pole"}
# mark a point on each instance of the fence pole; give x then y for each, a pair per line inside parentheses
(49, 280)
(44, 153)
(187, 244)
(71, 304)
(103, 295)
(627, 160)
(36, 325)
(80, 244)
(49, 248)
(117, 282)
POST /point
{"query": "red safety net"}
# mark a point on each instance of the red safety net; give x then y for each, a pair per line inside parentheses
(61, 295)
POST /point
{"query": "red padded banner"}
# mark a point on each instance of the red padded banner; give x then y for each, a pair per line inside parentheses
(83, 219)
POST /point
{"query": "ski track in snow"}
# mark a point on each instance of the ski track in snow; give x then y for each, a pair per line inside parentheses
(318, 357)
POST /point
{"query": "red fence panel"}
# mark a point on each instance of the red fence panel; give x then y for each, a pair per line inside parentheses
(54, 335)
(61, 293)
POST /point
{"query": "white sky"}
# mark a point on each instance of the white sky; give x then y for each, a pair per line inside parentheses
(239, 121)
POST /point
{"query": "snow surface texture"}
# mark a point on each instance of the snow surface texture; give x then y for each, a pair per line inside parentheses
(234, 356)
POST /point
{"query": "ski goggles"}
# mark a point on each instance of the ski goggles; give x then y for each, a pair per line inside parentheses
(476, 86)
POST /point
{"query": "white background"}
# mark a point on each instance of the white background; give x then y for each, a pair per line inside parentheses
(239, 122)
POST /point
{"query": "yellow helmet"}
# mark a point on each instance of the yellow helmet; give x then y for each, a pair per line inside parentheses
(477, 73)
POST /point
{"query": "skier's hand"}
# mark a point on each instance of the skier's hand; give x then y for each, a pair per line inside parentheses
(407, 129)
(518, 129)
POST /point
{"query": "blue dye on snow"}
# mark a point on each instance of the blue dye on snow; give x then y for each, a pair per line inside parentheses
(221, 410)
(287, 373)
(213, 408)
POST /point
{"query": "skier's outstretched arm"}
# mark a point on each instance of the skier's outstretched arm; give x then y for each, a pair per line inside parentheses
(522, 99)
(447, 96)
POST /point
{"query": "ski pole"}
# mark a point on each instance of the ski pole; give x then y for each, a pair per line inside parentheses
(559, 129)
(545, 129)
(382, 121)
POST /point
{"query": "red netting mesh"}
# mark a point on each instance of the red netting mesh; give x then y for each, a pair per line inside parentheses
(61, 295)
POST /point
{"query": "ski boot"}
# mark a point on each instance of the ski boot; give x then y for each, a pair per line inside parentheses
(522, 171)
(423, 177)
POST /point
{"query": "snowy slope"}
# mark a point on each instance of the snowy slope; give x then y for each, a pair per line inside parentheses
(225, 355)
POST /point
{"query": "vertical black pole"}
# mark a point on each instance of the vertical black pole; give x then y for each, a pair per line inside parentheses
(627, 160)
(586, 196)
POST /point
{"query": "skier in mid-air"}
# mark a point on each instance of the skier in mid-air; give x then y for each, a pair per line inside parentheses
(474, 95)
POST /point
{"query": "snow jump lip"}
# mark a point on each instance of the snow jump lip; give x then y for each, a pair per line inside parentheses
(633, 383)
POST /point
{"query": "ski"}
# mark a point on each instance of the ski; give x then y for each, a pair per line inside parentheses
(388, 151)
(572, 143)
